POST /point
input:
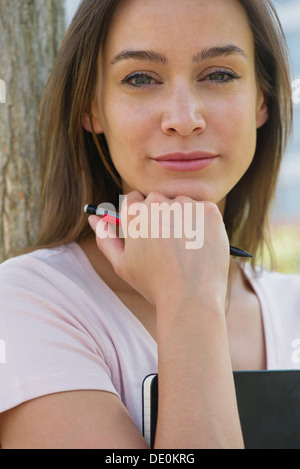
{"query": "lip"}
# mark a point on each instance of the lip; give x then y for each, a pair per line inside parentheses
(194, 161)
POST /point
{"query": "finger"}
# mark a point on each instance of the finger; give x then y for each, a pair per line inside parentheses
(135, 196)
(107, 240)
(129, 199)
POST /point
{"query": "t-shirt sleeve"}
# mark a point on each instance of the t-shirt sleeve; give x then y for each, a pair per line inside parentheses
(45, 347)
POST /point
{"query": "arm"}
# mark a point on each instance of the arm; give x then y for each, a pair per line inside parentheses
(70, 420)
(196, 390)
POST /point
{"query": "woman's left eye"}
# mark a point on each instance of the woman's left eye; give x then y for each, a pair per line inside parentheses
(221, 77)
(138, 80)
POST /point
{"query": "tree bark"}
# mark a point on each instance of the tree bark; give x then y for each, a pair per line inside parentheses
(30, 35)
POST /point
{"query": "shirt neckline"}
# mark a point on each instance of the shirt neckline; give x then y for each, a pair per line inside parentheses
(110, 294)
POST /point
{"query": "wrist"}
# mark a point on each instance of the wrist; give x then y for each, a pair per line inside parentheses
(189, 324)
(178, 304)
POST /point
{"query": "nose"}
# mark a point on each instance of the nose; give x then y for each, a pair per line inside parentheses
(183, 113)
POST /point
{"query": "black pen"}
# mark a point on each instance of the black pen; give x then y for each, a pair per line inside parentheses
(239, 252)
(114, 218)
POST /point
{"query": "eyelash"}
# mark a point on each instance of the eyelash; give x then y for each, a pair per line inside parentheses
(126, 80)
(231, 77)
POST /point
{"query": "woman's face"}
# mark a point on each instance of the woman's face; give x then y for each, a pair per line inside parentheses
(177, 97)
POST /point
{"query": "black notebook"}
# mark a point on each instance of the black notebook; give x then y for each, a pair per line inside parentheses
(268, 403)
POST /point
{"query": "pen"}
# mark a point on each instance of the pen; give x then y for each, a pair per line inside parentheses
(114, 219)
(108, 215)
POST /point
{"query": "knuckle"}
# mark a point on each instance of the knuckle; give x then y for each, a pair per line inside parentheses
(155, 197)
(134, 195)
(212, 209)
(183, 199)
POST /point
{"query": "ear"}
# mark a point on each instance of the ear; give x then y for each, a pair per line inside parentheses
(262, 114)
(96, 123)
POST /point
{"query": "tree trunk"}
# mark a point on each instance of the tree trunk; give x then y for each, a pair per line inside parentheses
(30, 35)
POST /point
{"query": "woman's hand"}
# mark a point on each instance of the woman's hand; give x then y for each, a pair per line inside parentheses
(168, 268)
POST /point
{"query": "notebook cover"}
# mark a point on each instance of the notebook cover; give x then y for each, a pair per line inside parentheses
(268, 403)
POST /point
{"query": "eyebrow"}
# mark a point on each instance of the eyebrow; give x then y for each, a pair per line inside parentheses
(212, 52)
(146, 55)
(205, 54)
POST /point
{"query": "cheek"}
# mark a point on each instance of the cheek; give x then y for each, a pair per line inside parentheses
(237, 125)
(125, 134)
(127, 129)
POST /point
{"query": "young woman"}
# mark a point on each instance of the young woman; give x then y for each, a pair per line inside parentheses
(163, 101)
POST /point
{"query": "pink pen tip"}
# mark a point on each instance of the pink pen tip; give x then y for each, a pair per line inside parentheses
(111, 219)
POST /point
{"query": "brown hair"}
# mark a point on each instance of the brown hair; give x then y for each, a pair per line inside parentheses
(76, 165)
(249, 203)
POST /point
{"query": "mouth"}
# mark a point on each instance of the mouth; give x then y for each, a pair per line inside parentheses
(195, 161)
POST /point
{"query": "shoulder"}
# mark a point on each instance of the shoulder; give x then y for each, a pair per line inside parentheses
(279, 296)
(44, 270)
(41, 260)
(42, 284)
(278, 284)
(278, 292)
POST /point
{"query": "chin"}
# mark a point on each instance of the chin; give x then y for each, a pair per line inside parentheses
(188, 189)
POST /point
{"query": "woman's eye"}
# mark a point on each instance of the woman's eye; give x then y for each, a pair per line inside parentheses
(222, 77)
(138, 80)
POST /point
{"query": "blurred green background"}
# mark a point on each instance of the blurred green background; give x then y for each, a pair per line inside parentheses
(286, 246)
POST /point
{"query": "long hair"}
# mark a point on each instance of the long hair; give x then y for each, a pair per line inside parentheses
(249, 204)
(76, 165)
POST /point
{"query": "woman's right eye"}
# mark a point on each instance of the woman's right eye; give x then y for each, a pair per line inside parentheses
(138, 80)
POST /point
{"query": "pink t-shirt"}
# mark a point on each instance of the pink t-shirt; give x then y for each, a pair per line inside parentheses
(62, 328)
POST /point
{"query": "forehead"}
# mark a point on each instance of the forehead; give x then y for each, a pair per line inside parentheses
(178, 26)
